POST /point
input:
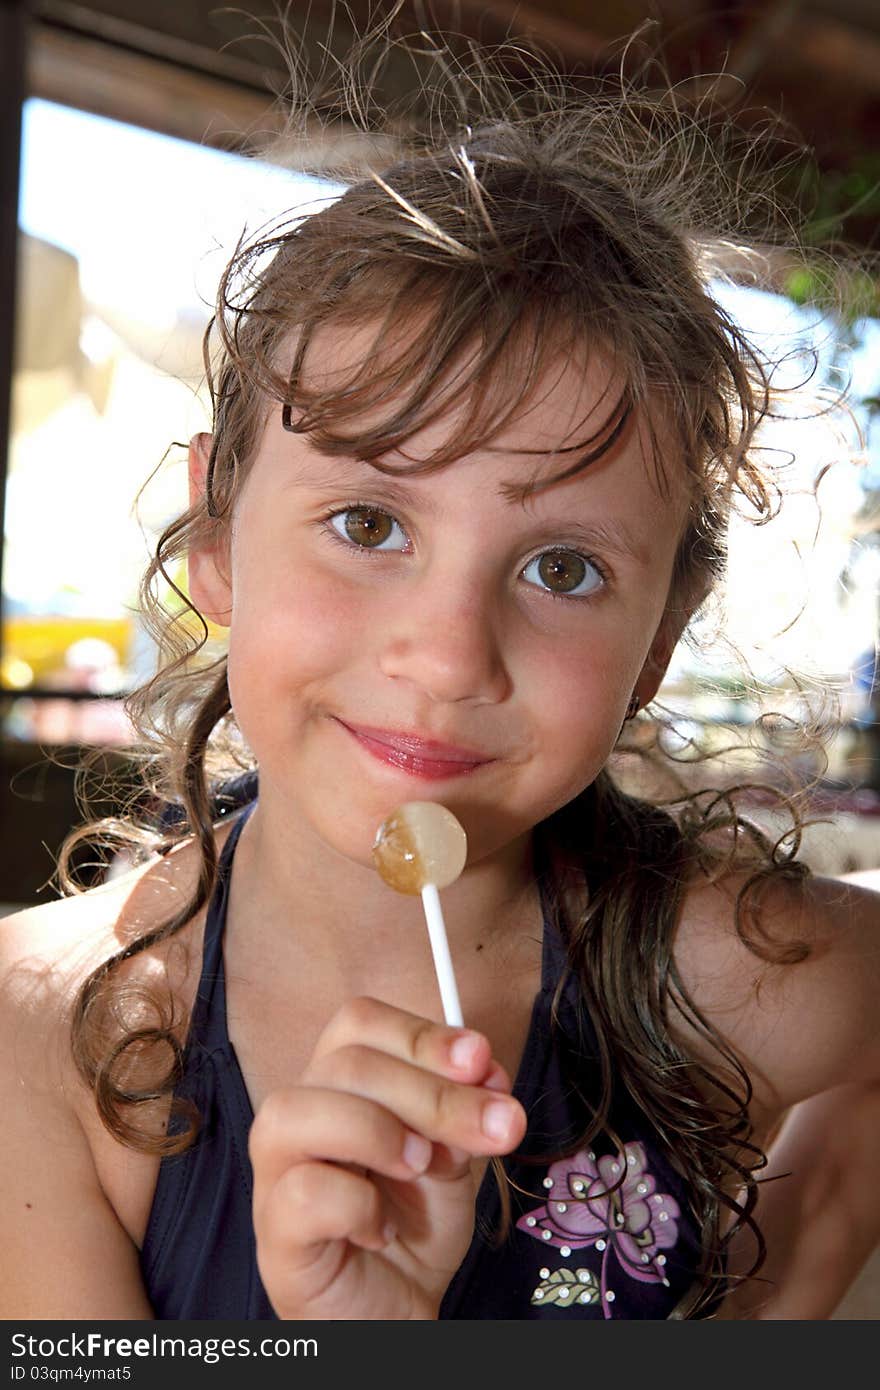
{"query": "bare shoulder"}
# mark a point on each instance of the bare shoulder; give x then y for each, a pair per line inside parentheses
(69, 1255)
(48, 951)
(788, 975)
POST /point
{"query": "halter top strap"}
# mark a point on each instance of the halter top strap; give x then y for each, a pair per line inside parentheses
(208, 1022)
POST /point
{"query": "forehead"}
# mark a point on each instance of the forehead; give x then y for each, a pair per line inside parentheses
(576, 404)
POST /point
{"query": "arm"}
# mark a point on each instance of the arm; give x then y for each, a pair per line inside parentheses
(65, 1253)
(818, 1208)
(819, 1204)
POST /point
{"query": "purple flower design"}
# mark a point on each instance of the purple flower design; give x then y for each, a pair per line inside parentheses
(612, 1204)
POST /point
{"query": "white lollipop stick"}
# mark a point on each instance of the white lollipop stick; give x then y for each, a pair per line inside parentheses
(442, 958)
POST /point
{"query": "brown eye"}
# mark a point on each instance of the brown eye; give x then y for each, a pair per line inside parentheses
(368, 527)
(563, 572)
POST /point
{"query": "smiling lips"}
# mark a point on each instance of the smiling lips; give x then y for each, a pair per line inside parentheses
(419, 757)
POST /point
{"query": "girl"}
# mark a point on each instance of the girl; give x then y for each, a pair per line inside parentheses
(478, 429)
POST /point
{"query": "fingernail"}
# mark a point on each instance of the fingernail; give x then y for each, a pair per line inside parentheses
(389, 1232)
(498, 1118)
(417, 1152)
(464, 1049)
(460, 1157)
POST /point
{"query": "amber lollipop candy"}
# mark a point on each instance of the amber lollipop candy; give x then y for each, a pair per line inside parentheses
(419, 849)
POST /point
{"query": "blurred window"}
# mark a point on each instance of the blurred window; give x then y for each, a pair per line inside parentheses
(122, 235)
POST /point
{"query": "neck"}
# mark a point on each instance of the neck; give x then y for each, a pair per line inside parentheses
(296, 904)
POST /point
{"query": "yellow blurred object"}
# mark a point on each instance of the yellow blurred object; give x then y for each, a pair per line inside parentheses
(17, 675)
(41, 643)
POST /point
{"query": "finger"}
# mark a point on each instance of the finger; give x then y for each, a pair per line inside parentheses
(309, 1123)
(445, 1111)
(314, 1203)
(460, 1052)
(496, 1079)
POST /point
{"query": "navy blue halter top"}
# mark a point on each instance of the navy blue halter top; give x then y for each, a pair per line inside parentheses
(605, 1232)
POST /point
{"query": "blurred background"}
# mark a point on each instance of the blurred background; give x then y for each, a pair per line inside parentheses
(134, 139)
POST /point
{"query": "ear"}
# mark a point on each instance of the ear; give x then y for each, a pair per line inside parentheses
(210, 585)
(672, 625)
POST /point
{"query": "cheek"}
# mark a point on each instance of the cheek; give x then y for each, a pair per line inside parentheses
(575, 689)
(575, 702)
(292, 622)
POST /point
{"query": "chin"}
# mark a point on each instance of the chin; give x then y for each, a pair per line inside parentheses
(350, 835)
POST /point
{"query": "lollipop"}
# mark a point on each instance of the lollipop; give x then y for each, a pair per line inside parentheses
(421, 848)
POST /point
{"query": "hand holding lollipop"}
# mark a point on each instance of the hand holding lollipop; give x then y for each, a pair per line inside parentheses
(386, 1182)
(419, 849)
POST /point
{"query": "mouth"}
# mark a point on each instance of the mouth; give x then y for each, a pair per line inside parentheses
(420, 757)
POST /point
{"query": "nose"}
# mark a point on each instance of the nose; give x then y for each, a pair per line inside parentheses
(444, 639)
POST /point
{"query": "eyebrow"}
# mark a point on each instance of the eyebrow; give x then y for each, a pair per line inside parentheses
(612, 535)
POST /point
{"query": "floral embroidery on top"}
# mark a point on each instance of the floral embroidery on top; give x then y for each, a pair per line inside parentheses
(612, 1204)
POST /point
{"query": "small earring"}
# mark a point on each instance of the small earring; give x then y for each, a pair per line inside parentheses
(632, 708)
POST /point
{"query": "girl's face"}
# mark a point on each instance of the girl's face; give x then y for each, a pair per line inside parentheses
(427, 638)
